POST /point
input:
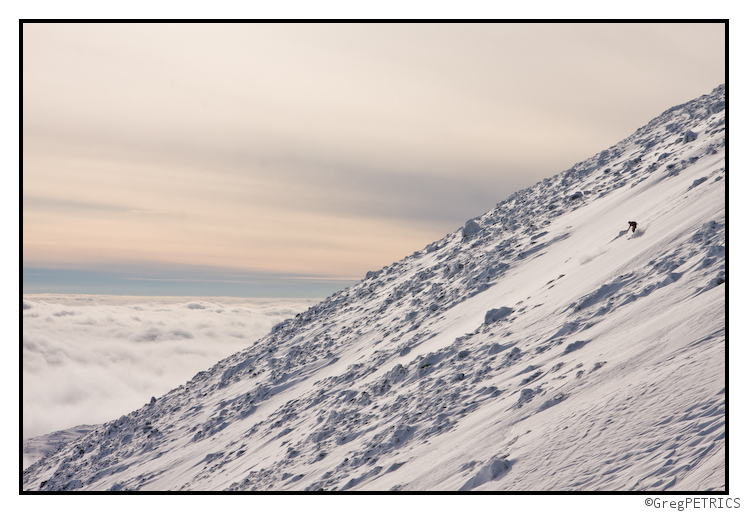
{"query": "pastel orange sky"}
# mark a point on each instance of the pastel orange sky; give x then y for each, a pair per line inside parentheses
(316, 149)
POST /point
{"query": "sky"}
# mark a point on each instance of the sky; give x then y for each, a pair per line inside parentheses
(288, 160)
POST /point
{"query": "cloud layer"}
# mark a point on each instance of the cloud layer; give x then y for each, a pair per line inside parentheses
(88, 359)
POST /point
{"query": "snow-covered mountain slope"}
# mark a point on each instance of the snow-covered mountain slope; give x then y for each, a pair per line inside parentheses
(539, 347)
(34, 448)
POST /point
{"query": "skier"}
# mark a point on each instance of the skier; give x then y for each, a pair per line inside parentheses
(632, 226)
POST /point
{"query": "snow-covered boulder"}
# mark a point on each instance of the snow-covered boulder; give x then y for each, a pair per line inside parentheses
(578, 195)
(471, 228)
(496, 314)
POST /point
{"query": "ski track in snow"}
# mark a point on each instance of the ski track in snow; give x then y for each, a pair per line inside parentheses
(539, 347)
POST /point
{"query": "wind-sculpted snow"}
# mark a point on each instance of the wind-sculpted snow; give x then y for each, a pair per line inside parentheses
(503, 356)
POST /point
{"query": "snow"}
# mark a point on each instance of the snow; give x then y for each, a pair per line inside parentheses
(549, 350)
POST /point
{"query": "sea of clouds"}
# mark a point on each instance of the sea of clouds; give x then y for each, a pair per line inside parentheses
(89, 359)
